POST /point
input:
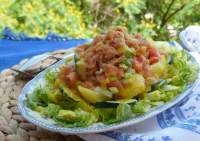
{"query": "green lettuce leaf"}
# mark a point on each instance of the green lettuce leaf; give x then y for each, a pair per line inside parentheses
(51, 110)
(123, 112)
(111, 115)
(141, 106)
(81, 119)
(37, 98)
(30, 103)
(182, 69)
(107, 115)
(51, 75)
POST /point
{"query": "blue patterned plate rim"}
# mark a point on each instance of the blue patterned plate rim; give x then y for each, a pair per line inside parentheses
(96, 128)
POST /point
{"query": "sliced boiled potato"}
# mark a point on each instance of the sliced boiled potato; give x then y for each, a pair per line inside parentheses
(82, 102)
(159, 68)
(72, 94)
(135, 86)
(92, 96)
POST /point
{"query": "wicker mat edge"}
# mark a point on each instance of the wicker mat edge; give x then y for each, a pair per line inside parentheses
(13, 127)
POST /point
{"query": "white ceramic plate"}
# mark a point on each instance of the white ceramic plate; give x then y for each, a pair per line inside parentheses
(49, 124)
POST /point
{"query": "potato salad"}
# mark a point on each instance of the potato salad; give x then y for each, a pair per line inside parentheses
(115, 77)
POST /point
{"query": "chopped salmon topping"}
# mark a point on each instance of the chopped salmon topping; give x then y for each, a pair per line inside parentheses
(115, 83)
(88, 84)
(111, 70)
(103, 60)
(68, 75)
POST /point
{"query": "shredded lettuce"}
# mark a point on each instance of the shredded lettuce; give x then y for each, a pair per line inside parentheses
(141, 106)
(30, 103)
(154, 96)
(80, 119)
(182, 69)
(182, 72)
(38, 98)
(51, 76)
(111, 115)
(123, 112)
(107, 115)
(51, 110)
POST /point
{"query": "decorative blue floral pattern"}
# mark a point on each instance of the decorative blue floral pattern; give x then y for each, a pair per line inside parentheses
(166, 138)
(120, 136)
(190, 38)
(138, 139)
(117, 135)
(197, 98)
(8, 34)
(152, 139)
(185, 116)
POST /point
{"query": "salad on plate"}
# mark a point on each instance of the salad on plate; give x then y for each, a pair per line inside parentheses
(116, 77)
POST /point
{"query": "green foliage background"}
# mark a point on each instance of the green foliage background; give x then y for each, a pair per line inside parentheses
(160, 19)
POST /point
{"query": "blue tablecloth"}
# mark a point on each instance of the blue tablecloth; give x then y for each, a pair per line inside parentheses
(11, 52)
(17, 46)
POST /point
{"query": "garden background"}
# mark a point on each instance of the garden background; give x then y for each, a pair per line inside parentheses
(160, 19)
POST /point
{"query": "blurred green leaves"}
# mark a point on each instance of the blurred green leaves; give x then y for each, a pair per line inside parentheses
(38, 17)
(160, 19)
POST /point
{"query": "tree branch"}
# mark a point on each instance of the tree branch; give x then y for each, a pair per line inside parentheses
(82, 5)
(172, 14)
(176, 11)
(166, 13)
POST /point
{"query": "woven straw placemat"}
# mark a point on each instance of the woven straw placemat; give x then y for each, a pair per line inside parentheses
(13, 127)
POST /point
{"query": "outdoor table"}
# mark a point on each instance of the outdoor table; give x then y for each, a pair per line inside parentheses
(181, 122)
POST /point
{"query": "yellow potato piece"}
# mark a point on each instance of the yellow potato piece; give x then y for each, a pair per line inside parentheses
(76, 97)
(92, 96)
(135, 86)
(159, 68)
